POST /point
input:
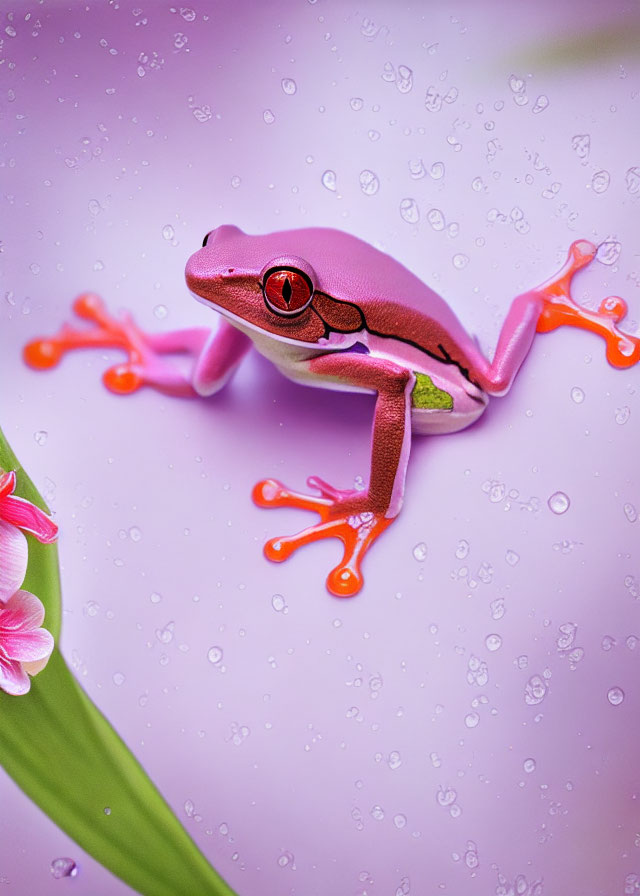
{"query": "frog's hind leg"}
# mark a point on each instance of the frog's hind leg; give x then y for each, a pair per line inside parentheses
(145, 364)
(547, 307)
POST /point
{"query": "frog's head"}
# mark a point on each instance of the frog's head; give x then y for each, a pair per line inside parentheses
(240, 276)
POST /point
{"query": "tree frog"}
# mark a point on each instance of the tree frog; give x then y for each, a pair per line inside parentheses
(330, 310)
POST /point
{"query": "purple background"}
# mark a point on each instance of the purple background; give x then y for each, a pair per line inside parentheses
(314, 757)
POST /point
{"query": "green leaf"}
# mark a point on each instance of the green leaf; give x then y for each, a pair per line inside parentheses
(64, 754)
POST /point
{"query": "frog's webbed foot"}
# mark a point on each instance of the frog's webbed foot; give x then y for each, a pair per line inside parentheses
(144, 364)
(347, 515)
(623, 350)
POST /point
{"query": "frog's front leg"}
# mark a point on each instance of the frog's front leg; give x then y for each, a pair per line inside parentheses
(357, 518)
(216, 354)
(547, 307)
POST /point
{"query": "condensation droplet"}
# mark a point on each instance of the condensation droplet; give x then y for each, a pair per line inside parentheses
(214, 655)
(436, 219)
(472, 719)
(581, 145)
(577, 395)
(278, 603)
(615, 696)
(535, 690)
(329, 180)
(400, 820)
(118, 679)
(420, 552)
(268, 116)
(135, 534)
(622, 415)
(609, 252)
(289, 86)
(559, 502)
(409, 211)
(529, 765)
(437, 170)
(493, 642)
(63, 867)
(600, 181)
(541, 104)
(160, 312)
(40, 436)
(417, 169)
(630, 512)
(512, 557)
(632, 181)
(460, 261)
(356, 103)
(168, 232)
(394, 760)
(369, 183)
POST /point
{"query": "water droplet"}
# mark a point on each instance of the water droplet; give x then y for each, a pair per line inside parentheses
(609, 252)
(278, 603)
(404, 79)
(417, 169)
(600, 181)
(581, 145)
(165, 635)
(289, 86)
(493, 642)
(369, 183)
(168, 232)
(91, 608)
(329, 180)
(356, 103)
(558, 502)
(235, 181)
(420, 552)
(463, 549)
(437, 170)
(472, 719)
(512, 557)
(286, 859)
(409, 211)
(529, 765)
(516, 84)
(615, 696)
(622, 415)
(436, 219)
(497, 608)
(189, 808)
(377, 812)
(400, 820)
(577, 394)
(567, 635)
(118, 679)
(471, 855)
(155, 598)
(446, 796)
(160, 312)
(630, 512)
(63, 867)
(107, 810)
(188, 14)
(268, 116)
(40, 436)
(632, 180)
(135, 534)
(535, 690)
(214, 655)
(460, 261)
(394, 760)
(541, 104)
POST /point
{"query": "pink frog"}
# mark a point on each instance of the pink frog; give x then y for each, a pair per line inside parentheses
(330, 310)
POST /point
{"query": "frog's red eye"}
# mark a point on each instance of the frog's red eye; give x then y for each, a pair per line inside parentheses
(286, 291)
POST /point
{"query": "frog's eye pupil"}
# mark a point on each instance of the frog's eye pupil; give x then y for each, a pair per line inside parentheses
(287, 292)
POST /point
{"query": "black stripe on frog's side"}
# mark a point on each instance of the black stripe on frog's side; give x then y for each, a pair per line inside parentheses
(331, 323)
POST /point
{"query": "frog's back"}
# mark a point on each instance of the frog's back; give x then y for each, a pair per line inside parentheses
(394, 302)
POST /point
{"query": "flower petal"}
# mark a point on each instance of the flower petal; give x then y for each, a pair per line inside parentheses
(13, 679)
(13, 560)
(27, 516)
(27, 647)
(24, 612)
(7, 483)
(36, 665)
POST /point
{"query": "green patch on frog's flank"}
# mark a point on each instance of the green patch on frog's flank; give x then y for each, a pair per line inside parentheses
(64, 754)
(426, 395)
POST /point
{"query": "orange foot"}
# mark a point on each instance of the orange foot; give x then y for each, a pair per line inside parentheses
(343, 514)
(623, 350)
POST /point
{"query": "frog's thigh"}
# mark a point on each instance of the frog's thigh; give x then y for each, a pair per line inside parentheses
(219, 358)
(391, 440)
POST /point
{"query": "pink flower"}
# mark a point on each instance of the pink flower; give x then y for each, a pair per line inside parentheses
(25, 647)
(24, 514)
(16, 514)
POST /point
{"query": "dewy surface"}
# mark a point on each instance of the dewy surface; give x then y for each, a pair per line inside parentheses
(468, 723)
